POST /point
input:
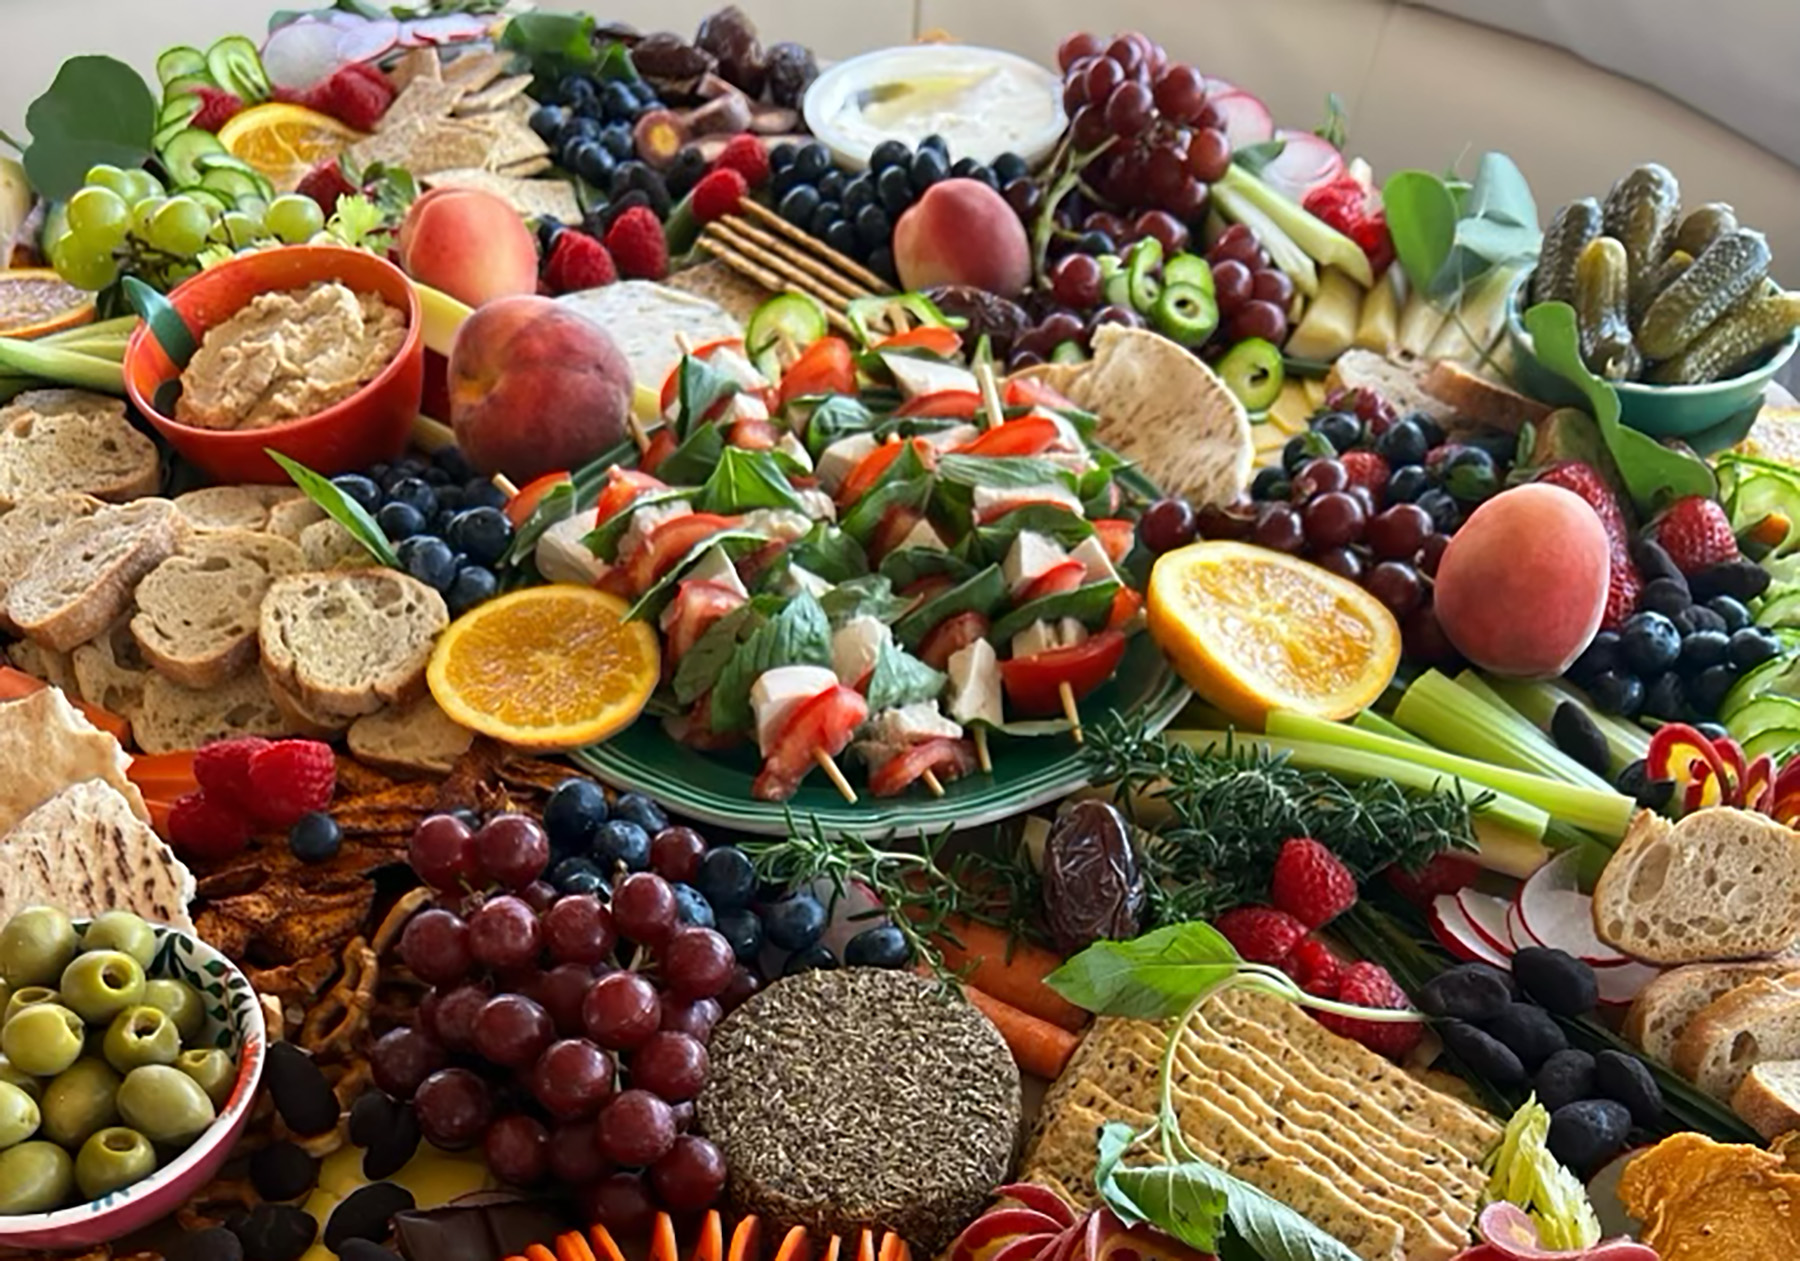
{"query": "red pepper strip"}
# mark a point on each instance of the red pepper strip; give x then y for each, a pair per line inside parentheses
(869, 469)
(1680, 753)
(827, 367)
(1788, 780)
(1125, 606)
(1731, 756)
(521, 505)
(940, 341)
(1702, 790)
(947, 758)
(1786, 809)
(1033, 684)
(1029, 392)
(1028, 435)
(1759, 784)
(1117, 537)
(1060, 577)
(942, 404)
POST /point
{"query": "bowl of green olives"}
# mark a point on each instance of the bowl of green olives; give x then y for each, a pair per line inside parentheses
(130, 1054)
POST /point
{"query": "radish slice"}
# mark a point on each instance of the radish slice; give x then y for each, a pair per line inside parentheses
(1621, 983)
(1513, 1236)
(1459, 934)
(1488, 914)
(1306, 162)
(451, 28)
(1515, 926)
(1603, 1194)
(1559, 914)
(369, 41)
(301, 54)
(1247, 120)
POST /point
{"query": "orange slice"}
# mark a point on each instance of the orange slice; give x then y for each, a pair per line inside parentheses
(35, 301)
(1253, 630)
(545, 668)
(285, 141)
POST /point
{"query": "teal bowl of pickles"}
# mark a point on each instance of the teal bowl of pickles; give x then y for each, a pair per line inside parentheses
(130, 1054)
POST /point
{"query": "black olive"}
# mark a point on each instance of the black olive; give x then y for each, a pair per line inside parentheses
(367, 1213)
(392, 1148)
(1628, 1080)
(1653, 562)
(1482, 1054)
(212, 1244)
(371, 1116)
(1578, 735)
(277, 1232)
(1473, 993)
(1529, 1032)
(302, 1095)
(1742, 580)
(1557, 980)
(1566, 1077)
(283, 1171)
(1584, 1134)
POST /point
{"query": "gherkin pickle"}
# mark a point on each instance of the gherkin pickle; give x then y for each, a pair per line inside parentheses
(1574, 226)
(1600, 310)
(1734, 265)
(1641, 213)
(1704, 225)
(1726, 349)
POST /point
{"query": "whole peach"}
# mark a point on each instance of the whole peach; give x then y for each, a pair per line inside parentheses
(468, 243)
(535, 388)
(961, 232)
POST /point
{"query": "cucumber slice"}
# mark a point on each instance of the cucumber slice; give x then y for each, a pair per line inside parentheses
(1116, 291)
(1781, 610)
(1140, 273)
(1761, 493)
(1777, 743)
(1765, 713)
(238, 67)
(160, 140)
(1253, 371)
(1189, 269)
(178, 109)
(231, 184)
(186, 85)
(1779, 676)
(181, 154)
(214, 203)
(178, 61)
(781, 328)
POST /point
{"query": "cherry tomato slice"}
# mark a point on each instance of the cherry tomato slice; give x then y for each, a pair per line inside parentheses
(950, 636)
(1063, 576)
(1125, 606)
(668, 543)
(1030, 392)
(662, 446)
(623, 486)
(696, 606)
(753, 434)
(944, 757)
(1117, 537)
(827, 367)
(1033, 683)
(1028, 435)
(942, 404)
(671, 387)
(520, 507)
(823, 724)
(895, 524)
(869, 469)
(940, 341)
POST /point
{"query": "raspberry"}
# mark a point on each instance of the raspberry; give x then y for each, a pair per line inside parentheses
(217, 107)
(1369, 985)
(637, 245)
(222, 768)
(1445, 873)
(718, 194)
(1261, 934)
(744, 153)
(325, 183)
(205, 828)
(1369, 470)
(356, 95)
(1696, 534)
(577, 261)
(1310, 883)
(1315, 968)
(289, 779)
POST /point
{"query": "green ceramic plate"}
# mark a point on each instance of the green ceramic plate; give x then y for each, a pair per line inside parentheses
(715, 788)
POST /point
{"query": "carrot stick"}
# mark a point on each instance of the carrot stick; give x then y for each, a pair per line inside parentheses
(16, 684)
(1038, 1047)
(746, 1240)
(894, 1248)
(164, 776)
(712, 1238)
(794, 1246)
(572, 1247)
(605, 1247)
(865, 1246)
(1017, 979)
(537, 1252)
(662, 1240)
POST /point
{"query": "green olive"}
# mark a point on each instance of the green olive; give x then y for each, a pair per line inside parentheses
(23, 1080)
(43, 1039)
(214, 1070)
(27, 996)
(183, 1003)
(81, 1100)
(18, 1115)
(35, 1177)
(5, 996)
(165, 1104)
(124, 932)
(35, 946)
(100, 984)
(141, 1035)
(112, 1158)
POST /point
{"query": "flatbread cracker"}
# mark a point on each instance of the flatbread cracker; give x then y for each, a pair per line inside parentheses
(475, 69)
(526, 168)
(418, 63)
(46, 744)
(512, 141)
(493, 96)
(553, 199)
(87, 850)
(423, 99)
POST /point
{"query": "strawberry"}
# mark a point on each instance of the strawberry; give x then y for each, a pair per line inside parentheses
(1624, 584)
(325, 183)
(1445, 873)
(217, 107)
(1696, 534)
(577, 261)
(745, 154)
(1368, 470)
(222, 769)
(637, 245)
(1369, 985)
(207, 828)
(357, 95)
(1310, 883)
(1261, 934)
(1356, 211)
(719, 193)
(289, 779)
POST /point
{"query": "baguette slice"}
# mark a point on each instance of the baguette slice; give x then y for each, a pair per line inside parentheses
(328, 545)
(1756, 1022)
(110, 671)
(1475, 399)
(288, 517)
(419, 737)
(1664, 1007)
(85, 580)
(349, 642)
(301, 719)
(1768, 1099)
(76, 441)
(1400, 382)
(224, 508)
(198, 611)
(1720, 884)
(173, 717)
(55, 668)
(30, 528)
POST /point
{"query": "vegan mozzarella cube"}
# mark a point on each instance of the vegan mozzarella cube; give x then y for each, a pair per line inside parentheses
(800, 579)
(916, 376)
(562, 556)
(715, 566)
(744, 407)
(1070, 632)
(778, 693)
(1046, 636)
(1030, 557)
(795, 450)
(781, 524)
(923, 535)
(854, 647)
(994, 501)
(911, 724)
(819, 505)
(645, 520)
(1094, 558)
(975, 684)
(836, 460)
(732, 362)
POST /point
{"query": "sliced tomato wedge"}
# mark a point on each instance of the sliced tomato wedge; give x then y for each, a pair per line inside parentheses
(520, 507)
(616, 582)
(1033, 684)
(1125, 606)
(662, 446)
(895, 524)
(1060, 577)
(753, 434)
(695, 730)
(828, 366)
(671, 387)
(1028, 435)
(1117, 537)
(940, 341)
(1030, 392)
(942, 404)
(922, 589)
(668, 543)
(752, 567)
(944, 757)
(823, 724)
(950, 636)
(697, 605)
(623, 486)
(869, 469)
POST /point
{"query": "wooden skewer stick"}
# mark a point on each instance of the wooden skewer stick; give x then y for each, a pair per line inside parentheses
(639, 435)
(990, 394)
(982, 758)
(932, 782)
(504, 485)
(1069, 711)
(835, 775)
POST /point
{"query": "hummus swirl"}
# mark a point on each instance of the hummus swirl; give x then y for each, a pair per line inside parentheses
(289, 355)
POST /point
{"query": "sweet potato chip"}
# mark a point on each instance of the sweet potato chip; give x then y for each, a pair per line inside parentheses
(1706, 1201)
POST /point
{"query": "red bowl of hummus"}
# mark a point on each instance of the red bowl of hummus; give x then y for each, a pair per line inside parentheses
(311, 350)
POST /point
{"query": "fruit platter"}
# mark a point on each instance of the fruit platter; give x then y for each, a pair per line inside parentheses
(632, 645)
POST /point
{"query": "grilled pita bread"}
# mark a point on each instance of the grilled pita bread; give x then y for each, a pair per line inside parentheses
(46, 744)
(87, 851)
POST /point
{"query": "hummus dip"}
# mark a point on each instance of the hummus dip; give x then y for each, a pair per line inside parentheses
(288, 355)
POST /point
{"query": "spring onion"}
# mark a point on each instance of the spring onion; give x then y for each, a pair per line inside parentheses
(1462, 721)
(1537, 701)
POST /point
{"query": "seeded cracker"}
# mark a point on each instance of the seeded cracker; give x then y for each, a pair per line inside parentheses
(862, 1098)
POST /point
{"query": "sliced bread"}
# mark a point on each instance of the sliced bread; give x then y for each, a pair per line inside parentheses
(1768, 1099)
(173, 717)
(1664, 1007)
(110, 671)
(301, 718)
(87, 851)
(1720, 884)
(198, 611)
(1477, 399)
(85, 579)
(76, 441)
(328, 545)
(348, 642)
(288, 517)
(55, 668)
(1756, 1022)
(419, 737)
(1400, 382)
(29, 528)
(224, 508)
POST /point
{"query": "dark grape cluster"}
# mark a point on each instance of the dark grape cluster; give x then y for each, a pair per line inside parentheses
(444, 520)
(1254, 295)
(588, 125)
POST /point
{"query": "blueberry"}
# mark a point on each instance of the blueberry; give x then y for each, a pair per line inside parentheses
(873, 227)
(575, 89)
(1585, 1134)
(1270, 483)
(812, 161)
(883, 946)
(1295, 452)
(428, 559)
(727, 878)
(573, 815)
(413, 464)
(1667, 596)
(985, 175)
(841, 236)
(1616, 692)
(798, 206)
(1528, 1031)
(1566, 1077)
(452, 460)
(377, 473)
(1702, 650)
(1482, 1053)
(472, 585)
(644, 92)
(400, 521)
(1096, 243)
(1402, 444)
(1434, 432)
(1707, 691)
(440, 526)
(1557, 980)
(1665, 698)
(361, 489)
(593, 163)
(937, 144)
(784, 181)
(895, 189)
(415, 491)
(618, 143)
(781, 157)
(467, 817)
(483, 534)
(795, 922)
(1407, 484)
(881, 262)
(622, 841)
(642, 811)
(1649, 644)
(1441, 507)
(1009, 167)
(619, 102)
(744, 931)
(1752, 646)
(315, 837)
(479, 492)
(858, 193)
(1465, 993)
(1341, 429)
(1626, 1079)
(579, 875)
(927, 168)
(577, 128)
(1469, 475)
(689, 168)
(828, 213)
(1731, 612)
(889, 153)
(831, 185)
(691, 906)
(815, 958)
(1601, 654)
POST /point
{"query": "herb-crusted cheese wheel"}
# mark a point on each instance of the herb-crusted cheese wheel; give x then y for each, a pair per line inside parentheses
(862, 1098)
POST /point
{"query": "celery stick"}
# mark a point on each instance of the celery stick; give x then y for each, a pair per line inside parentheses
(1464, 720)
(1284, 251)
(1369, 720)
(1515, 854)
(1518, 816)
(1319, 239)
(1603, 813)
(1537, 700)
(60, 367)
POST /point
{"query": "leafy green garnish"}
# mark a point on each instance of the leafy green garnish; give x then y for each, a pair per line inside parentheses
(984, 594)
(1523, 1172)
(97, 109)
(860, 522)
(703, 663)
(1446, 234)
(340, 508)
(698, 388)
(1000, 472)
(604, 539)
(557, 504)
(799, 635)
(837, 416)
(868, 596)
(357, 223)
(743, 481)
(899, 678)
(988, 544)
(830, 553)
(731, 542)
(906, 565)
(556, 44)
(1090, 604)
(1153, 977)
(694, 460)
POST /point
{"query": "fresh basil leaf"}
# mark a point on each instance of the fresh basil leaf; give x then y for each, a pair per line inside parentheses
(603, 540)
(557, 504)
(830, 553)
(745, 480)
(97, 109)
(1155, 977)
(906, 565)
(836, 417)
(921, 426)
(1501, 194)
(556, 44)
(799, 635)
(339, 507)
(694, 460)
(908, 465)
(615, 62)
(734, 542)
(984, 593)
(165, 322)
(701, 665)
(1254, 158)
(1421, 216)
(1191, 1209)
(988, 544)
(1010, 472)
(899, 678)
(868, 596)
(1091, 605)
(860, 522)
(699, 387)
(1187, 1200)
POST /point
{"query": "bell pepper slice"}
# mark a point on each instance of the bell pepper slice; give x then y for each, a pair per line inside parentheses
(1125, 606)
(1034, 684)
(1028, 435)
(1680, 753)
(946, 758)
(520, 507)
(1117, 537)
(936, 338)
(942, 404)
(1030, 392)
(870, 468)
(1759, 784)
(1731, 757)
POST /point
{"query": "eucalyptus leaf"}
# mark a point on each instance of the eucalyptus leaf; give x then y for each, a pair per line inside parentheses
(1498, 243)
(1421, 216)
(97, 109)
(1154, 977)
(165, 322)
(339, 507)
(1501, 194)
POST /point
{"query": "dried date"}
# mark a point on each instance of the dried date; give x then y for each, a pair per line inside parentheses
(791, 70)
(730, 36)
(1093, 883)
(1002, 320)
